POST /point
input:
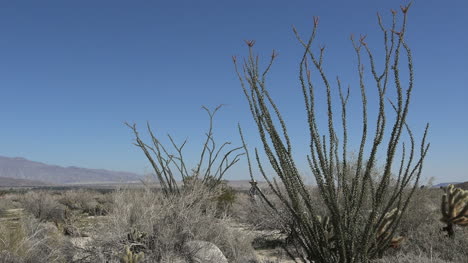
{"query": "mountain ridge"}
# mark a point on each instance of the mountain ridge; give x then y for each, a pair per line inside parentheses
(22, 168)
(14, 182)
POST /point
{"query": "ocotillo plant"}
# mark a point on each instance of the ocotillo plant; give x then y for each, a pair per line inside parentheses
(214, 160)
(358, 204)
(454, 208)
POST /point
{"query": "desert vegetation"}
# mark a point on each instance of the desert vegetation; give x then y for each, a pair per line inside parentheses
(362, 212)
(360, 209)
(146, 226)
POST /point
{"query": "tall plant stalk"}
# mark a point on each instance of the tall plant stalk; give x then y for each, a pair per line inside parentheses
(214, 161)
(363, 211)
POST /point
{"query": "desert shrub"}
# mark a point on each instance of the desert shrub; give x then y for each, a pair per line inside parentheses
(224, 195)
(33, 241)
(424, 240)
(8, 201)
(429, 241)
(89, 202)
(363, 212)
(3, 193)
(43, 206)
(423, 209)
(225, 199)
(94, 208)
(411, 258)
(259, 215)
(214, 160)
(105, 202)
(73, 199)
(158, 225)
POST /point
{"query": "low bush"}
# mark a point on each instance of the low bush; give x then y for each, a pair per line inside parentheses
(225, 199)
(43, 206)
(149, 222)
(31, 241)
(256, 214)
(8, 201)
(424, 240)
(90, 202)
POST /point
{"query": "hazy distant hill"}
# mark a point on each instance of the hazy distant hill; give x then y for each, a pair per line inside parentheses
(245, 184)
(20, 168)
(445, 184)
(12, 182)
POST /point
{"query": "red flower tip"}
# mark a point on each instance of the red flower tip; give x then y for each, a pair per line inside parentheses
(361, 40)
(274, 54)
(404, 9)
(316, 20)
(397, 33)
(250, 43)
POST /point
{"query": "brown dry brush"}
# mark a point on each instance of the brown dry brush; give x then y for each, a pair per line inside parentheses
(214, 160)
(364, 212)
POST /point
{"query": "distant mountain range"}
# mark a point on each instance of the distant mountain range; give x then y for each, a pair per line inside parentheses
(446, 184)
(19, 171)
(12, 182)
(29, 172)
(456, 184)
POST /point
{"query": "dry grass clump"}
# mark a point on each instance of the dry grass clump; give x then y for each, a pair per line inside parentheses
(423, 233)
(423, 209)
(144, 220)
(411, 258)
(9, 201)
(89, 202)
(256, 214)
(260, 216)
(43, 206)
(67, 210)
(30, 240)
(158, 225)
(429, 240)
(420, 227)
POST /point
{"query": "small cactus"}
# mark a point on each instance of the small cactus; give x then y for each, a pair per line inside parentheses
(383, 229)
(137, 240)
(130, 257)
(454, 208)
(135, 236)
(396, 242)
(327, 227)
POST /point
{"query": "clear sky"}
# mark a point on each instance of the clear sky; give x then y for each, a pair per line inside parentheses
(71, 72)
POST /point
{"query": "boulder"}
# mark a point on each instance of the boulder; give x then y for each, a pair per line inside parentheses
(204, 252)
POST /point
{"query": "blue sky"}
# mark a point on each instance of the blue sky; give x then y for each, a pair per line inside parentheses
(71, 72)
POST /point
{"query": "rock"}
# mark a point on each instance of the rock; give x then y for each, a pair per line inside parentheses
(204, 252)
(80, 242)
(175, 259)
